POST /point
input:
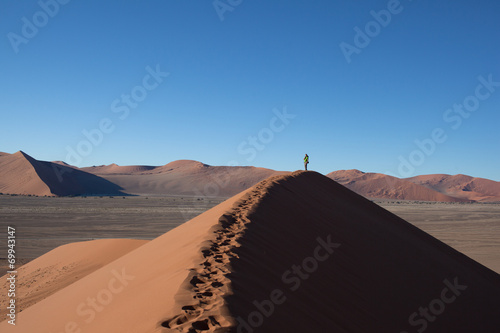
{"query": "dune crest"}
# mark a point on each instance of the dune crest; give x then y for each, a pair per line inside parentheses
(209, 283)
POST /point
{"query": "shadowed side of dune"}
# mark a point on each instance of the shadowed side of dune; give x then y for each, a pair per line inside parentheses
(316, 257)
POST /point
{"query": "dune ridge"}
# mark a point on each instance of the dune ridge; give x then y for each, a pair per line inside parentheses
(209, 283)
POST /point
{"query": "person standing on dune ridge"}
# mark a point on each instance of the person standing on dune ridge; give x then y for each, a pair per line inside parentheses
(306, 161)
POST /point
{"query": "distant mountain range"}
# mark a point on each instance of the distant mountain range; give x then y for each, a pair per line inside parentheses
(439, 187)
(24, 175)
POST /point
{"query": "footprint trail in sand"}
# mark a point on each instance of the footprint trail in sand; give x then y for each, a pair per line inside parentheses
(209, 282)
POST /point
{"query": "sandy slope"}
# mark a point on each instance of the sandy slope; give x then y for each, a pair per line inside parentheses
(461, 186)
(376, 185)
(297, 253)
(18, 176)
(22, 174)
(61, 267)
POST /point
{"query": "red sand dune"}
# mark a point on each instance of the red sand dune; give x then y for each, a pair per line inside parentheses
(18, 176)
(22, 174)
(184, 177)
(116, 169)
(376, 185)
(294, 253)
(61, 267)
(461, 186)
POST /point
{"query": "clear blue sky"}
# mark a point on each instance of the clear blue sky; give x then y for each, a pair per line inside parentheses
(358, 100)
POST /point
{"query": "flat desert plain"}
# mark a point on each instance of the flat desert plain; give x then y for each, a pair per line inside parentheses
(44, 223)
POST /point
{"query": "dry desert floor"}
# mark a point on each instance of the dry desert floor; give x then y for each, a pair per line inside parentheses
(44, 223)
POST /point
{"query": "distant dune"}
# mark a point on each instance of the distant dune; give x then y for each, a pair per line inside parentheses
(114, 169)
(461, 186)
(22, 174)
(294, 253)
(184, 177)
(376, 185)
(18, 176)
